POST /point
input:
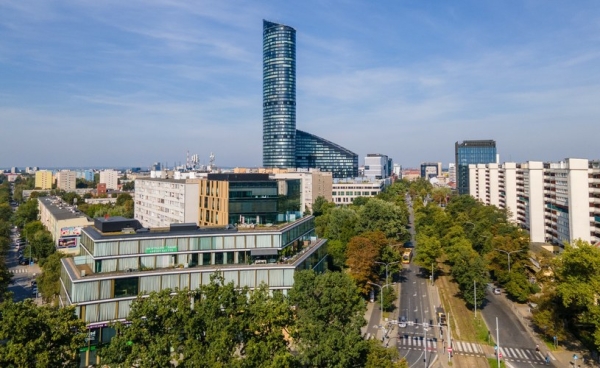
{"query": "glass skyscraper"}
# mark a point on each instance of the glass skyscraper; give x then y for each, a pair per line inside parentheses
(283, 145)
(471, 152)
(279, 95)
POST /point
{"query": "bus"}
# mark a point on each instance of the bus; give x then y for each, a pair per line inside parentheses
(406, 256)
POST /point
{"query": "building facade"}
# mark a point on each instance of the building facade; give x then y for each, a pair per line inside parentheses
(283, 145)
(66, 180)
(431, 170)
(64, 222)
(44, 179)
(471, 152)
(555, 202)
(344, 192)
(161, 202)
(117, 264)
(378, 166)
(110, 178)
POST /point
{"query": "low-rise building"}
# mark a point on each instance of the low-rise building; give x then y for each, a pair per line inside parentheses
(119, 261)
(64, 222)
(345, 191)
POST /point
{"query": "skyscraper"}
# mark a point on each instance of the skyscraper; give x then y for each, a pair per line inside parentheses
(471, 152)
(279, 95)
(283, 145)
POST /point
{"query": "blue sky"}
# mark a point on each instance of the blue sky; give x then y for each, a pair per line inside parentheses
(128, 83)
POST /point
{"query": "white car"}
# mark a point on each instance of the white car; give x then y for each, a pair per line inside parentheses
(402, 322)
(497, 291)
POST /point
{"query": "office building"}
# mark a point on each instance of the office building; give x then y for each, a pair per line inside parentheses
(344, 192)
(378, 166)
(87, 175)
(555, 202)
(110, 178)
(120, 261)
(471, 152)
(283, 145)
(66, 180)
(44, 180)
(64, 222)
(431, 170)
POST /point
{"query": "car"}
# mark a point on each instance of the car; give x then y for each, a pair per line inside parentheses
(402, 322)
(33, 283)
(497, 291)
(34, 292)
(23, 262)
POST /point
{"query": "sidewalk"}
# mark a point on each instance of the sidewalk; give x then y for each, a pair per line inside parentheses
(563, 357)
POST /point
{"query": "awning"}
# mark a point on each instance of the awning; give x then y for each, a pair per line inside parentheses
(264, 252)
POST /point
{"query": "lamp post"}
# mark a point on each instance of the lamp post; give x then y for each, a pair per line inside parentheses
(508, 254)
(386, 268)
(380, 299)
(425, 329)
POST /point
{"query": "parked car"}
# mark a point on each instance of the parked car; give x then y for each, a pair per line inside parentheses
(497, 291)
(23, 262)
(33, 283)
(34, 292)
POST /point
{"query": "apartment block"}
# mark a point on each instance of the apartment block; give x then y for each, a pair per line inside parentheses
(66, 180)
(64, 222)
(555, 202)
(44, 179)
(161, 202)
(110, 178)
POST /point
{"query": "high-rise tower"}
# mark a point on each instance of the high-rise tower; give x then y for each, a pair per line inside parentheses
(279, 95)
(471, 152)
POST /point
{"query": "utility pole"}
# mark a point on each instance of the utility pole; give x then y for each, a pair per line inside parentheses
(497, 344)
(475, 292)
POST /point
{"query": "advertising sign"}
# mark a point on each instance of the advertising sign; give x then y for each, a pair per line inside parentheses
(70, 231)
(67, 242)
(167, 249)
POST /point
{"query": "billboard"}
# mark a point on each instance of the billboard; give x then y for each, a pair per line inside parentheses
(70, 231)
(67, 242)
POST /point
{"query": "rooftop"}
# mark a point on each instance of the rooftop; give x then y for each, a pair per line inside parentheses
(61, 210)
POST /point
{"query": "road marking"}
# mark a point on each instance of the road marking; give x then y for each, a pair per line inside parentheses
(19, 270)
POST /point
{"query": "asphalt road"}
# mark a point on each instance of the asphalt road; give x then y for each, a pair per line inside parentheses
(516, 344)
(22, 275)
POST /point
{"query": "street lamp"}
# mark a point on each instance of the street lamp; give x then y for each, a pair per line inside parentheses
(425, 329)
(508, 254)
(386, 268)
(380, 299)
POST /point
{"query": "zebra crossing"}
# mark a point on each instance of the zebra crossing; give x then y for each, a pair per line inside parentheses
(18, 270)
(416, 342)
(522, 355)
(467, 348)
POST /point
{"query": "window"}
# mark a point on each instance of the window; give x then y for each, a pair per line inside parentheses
(126, 287)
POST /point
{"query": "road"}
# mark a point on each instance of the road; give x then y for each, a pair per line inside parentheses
(22, 275)
(516, 345)
(417, 343)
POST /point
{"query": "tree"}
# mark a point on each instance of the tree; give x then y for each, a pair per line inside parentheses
(31, 228)
(320, 205)
(35, 336)
(361, 253)
(378, 215)
(341, 225)
(49, 280)
(381, 357)
(430, 249)
(329, 315)
(389, 297)
(26, 212)
(41, 245)
(5, 212)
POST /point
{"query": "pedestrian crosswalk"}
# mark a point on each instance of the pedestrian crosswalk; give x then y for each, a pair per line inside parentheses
(416, 342)
(520, 354)
(467, 348)
(18, 270)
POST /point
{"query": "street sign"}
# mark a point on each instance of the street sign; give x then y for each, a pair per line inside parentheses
(496, 347)
(449, 350)
(500, 355)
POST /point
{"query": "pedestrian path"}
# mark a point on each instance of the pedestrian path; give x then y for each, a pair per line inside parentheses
(19, 270)
(522, 355)
(416, 342)
(467, 348)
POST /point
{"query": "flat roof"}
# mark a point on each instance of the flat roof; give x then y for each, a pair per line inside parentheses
(61, 210)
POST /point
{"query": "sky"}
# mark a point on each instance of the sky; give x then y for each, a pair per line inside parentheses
(127, 83)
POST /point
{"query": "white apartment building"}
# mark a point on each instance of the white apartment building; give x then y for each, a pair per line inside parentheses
(110, 178)
(345, 191)
(555, 202)
(161, 202)
(377, 166)
(66, 180)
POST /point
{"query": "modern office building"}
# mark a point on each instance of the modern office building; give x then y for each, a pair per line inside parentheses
(44, 179)
(119, 261)
(471, 152)
(431, 170)
(378, 166)
(110, 178)
(554, 202)
(87, 175)
(64, 222)
(66, 180)
(161, 202)
(283, 145)
(346, 191)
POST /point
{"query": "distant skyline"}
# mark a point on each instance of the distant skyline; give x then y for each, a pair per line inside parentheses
(129, 83)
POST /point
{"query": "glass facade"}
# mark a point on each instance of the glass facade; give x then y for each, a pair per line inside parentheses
(279, 95)
(283, 145)
(316, 152)
(471, 152)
